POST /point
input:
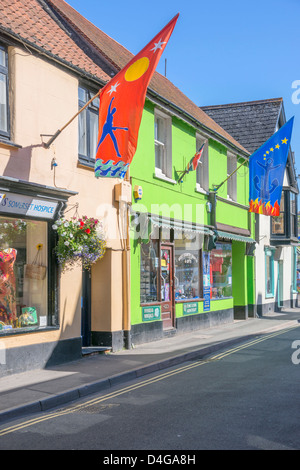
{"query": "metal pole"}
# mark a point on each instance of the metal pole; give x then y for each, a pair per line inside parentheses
(47, 144)
(229, 176)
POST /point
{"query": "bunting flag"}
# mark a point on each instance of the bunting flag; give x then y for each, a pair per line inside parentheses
(121, 106)
(266, 172)
(193, 163)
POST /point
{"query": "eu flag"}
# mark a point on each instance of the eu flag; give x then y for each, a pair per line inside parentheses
(266, 171)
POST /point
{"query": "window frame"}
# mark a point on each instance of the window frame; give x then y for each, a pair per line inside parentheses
(293, 215)
(93, 110)
(232, 181)
(166, 170)
(200, 275)
(220, 246)
(5, 134)
(287, 234)
(269, 253)
(202, 171)
(52, 279)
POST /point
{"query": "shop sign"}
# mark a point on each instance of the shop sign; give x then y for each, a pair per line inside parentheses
(190, 307)
(20, 204)
(206, 281)
(151, 313)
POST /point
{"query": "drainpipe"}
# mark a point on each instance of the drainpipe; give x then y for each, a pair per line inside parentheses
(126, 283)
(212, 197)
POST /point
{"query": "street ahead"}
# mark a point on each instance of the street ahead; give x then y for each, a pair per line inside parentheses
(246, 397)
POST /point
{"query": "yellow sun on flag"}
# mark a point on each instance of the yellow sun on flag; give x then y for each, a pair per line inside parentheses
(137, 69)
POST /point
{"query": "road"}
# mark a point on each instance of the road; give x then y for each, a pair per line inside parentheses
(246, 397)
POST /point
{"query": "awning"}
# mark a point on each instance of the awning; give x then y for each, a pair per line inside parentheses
(182, 226)
(233, 236)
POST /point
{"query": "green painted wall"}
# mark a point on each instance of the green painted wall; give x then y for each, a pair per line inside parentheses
(239, 273)
(190, 203)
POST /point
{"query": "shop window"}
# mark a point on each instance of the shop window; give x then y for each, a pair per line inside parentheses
(4, 108)
(187, 271)
(202, 168)
(278, 223)
(221, 271)
(293, 215)
(149, 276)
(23, 274)
(231, 182)
(87, 126)
(286, 224)
(269, 267)
(163, 144)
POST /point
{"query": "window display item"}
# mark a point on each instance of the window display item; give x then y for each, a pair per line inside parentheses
(23, 276)
(8, 308)
(28, 316)
(36, 270)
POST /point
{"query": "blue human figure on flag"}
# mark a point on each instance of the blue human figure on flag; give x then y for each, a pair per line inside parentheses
(108, 128)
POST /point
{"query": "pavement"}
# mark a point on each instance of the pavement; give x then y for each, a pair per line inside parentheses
(40, 390)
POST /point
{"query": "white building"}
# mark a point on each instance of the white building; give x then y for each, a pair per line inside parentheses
(252, 124)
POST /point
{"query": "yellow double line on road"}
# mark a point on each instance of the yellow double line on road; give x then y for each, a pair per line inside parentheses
(179, 370)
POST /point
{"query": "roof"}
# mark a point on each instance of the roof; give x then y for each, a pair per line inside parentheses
(54, 28)
(250, 123)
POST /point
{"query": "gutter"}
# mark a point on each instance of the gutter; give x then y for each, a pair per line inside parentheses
(54, 57)
(151, 94)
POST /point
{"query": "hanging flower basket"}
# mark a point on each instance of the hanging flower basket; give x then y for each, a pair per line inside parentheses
(79, 241)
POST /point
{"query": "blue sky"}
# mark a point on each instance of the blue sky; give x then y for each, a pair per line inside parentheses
(220, 52)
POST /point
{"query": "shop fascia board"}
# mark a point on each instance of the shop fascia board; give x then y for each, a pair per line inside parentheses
(35, 189)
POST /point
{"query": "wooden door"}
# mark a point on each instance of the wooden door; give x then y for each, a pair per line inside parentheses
(167, 294)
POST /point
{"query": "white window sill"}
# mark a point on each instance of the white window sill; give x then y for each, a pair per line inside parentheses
(163, 177)
(199, 189)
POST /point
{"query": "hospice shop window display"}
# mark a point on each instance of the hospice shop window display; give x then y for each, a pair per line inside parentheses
(23, 274)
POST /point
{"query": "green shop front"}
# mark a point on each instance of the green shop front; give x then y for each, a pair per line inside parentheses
(184, 277)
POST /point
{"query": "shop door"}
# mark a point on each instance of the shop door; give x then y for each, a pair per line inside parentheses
(86, 308)
(167, 295)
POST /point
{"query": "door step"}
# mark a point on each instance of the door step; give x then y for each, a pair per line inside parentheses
(169, 332)
(90, 350)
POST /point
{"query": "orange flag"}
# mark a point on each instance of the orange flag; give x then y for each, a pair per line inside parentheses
(121, 107)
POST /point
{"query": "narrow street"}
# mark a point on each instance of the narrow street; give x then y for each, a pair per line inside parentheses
(246, 397)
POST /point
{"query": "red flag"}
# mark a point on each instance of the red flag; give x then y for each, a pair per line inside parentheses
(121, 107)
(193, 163)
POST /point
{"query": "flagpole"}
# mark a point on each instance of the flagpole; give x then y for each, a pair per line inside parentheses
(187, 171)
(229, 176)
(47, 144)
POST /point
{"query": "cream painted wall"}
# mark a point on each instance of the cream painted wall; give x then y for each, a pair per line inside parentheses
(43, 97)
